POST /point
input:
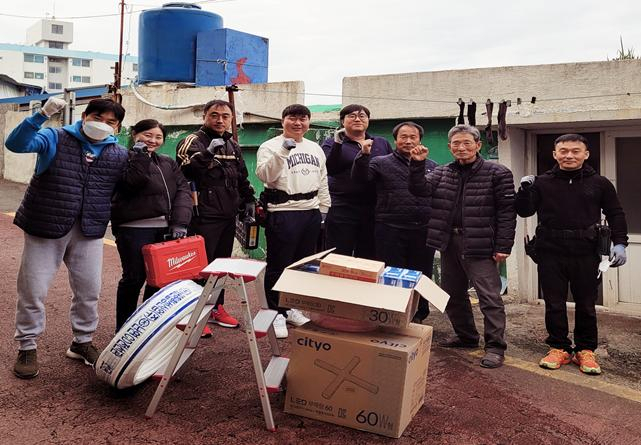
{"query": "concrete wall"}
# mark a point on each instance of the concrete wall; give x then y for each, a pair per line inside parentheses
(258, 102)
(433, 94)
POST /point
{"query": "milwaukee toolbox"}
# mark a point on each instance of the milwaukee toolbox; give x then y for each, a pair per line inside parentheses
(179, 259)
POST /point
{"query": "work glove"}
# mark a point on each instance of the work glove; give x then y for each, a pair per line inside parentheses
(339, 136)
(139, 147)
(178, 232)
(214, 145)
(527, 181)
(250, 209)
(52, 106)
(617, 255)
(289, 143)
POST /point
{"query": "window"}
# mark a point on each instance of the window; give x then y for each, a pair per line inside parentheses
(56, 45)
(55, 69)
(56, 29)
(135, 67)
(55, 86)
(86, 79)
(55, 60)
(81, 62)
(32, 75)
(35, 58)
(76, 79)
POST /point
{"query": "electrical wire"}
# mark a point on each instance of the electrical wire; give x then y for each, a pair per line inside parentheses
(18, 16)
(442, 101)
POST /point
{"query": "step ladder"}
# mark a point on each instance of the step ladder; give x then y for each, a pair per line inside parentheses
(232, 274)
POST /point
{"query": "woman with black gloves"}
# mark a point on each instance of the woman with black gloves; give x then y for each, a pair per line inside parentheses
(152, 203)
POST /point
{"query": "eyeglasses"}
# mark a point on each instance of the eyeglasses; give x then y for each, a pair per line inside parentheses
(464, 144)
(354, 116)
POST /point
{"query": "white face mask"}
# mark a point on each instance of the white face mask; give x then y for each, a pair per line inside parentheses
(97, 131)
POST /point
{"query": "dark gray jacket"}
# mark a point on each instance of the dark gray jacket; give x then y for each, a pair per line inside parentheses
(395, 205)
(489, 218)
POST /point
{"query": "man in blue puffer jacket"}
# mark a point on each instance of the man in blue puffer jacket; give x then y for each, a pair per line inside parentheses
(64, 215)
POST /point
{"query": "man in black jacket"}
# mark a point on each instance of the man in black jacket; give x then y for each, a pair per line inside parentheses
(472, 224)
(212, 160)
(569, 199)
(401, 218)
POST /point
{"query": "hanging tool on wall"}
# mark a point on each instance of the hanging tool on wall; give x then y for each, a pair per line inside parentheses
(501, 118)
(471, 113)
(461, 106)
(489, 137)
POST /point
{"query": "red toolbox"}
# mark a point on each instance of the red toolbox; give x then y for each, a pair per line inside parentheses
(179, 259)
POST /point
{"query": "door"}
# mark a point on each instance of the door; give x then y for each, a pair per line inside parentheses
(627, 152)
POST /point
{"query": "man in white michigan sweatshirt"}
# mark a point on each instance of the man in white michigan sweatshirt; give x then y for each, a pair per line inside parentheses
(297, 198)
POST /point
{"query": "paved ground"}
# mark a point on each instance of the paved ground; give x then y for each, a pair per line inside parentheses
(214, 398)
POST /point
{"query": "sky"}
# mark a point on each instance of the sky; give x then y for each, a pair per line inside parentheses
(320, 42)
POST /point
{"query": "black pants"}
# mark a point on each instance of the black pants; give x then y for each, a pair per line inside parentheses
(457, 271)
(130, 241)
(406, 248)
(290, 236)
(219, 240)
(350, 229)
(555, 273)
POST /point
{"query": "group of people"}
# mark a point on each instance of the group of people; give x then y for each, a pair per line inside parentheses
(393, 205)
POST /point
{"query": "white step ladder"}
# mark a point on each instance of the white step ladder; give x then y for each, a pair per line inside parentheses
(232, 274)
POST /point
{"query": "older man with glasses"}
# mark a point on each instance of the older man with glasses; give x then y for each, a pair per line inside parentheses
(472, 224)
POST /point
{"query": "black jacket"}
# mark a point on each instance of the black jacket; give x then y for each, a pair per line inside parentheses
(572, 200)
(395, 205)
(221, 179)
(152, 186)
(488, 213)
(340, 157)
(71, 190)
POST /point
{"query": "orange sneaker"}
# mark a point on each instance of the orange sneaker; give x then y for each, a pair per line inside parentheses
(587, 362)
(222, 318)
(206, 333)
(555, 358)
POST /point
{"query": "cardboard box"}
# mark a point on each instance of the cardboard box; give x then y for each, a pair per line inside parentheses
(357, 300)
(371, 381)
(344, 266)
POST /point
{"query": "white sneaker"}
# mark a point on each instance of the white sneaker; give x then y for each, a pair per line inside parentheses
(280, 326)
(296, 317)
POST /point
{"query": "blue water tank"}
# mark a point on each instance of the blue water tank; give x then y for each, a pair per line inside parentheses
(167, 41)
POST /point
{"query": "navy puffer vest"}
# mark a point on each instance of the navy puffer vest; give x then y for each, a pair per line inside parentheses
(72, 189)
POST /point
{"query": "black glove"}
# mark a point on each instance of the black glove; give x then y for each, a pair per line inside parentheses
(215, 144)
(250, 209)
(289, 143)
(527, 181)
(139, 147)
(178, 232)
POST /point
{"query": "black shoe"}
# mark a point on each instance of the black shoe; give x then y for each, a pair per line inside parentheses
(83, 351)
(456, 342)
(26, 366)
(492, 360)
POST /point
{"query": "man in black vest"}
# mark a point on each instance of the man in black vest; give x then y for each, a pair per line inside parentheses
(568, 200)
(64, 215)
(472, 224)
(212, 160)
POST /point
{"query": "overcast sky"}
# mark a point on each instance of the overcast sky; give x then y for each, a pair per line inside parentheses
(320, 42)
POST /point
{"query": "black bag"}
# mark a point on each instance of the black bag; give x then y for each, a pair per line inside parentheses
(603, 234)
(530, 247)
